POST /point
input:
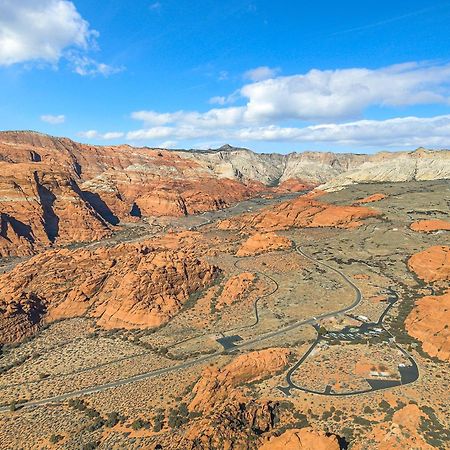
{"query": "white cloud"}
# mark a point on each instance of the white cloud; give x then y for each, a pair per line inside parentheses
(46, 31)
(53, 120)
(168, 144)
(113, 135)
(41, 30)
(261, 73)
(156, 6)
(346, 93)
(323, 97)
(404, 132)
(84, 65)
(94, 134)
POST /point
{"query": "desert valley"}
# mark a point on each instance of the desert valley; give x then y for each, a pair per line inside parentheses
(222, 299)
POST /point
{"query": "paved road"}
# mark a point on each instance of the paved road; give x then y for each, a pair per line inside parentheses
(182, 366)
(377, 385)
(158, 372)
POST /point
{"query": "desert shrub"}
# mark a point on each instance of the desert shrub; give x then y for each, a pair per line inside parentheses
(90, 445)
(54, 438)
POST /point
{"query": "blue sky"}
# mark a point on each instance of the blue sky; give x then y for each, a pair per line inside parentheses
(272, 76)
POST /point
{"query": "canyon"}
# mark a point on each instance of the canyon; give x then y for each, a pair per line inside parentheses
(153, 297)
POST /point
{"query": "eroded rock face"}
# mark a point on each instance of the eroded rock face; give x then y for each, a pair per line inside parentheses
(372, 198)
(301, 439)
(235, 289)
(217, 385)
(302, 212)
(230, 425)
(428, 322)
(432, 264)
(262, 243)
(418, 165)
(40, 206)
(82, 191)
(128, 286)
(428, 226)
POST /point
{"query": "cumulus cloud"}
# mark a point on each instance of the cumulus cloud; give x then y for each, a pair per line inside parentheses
(53, 120)
(332, 100)
(346, 93)
(316, 96)
(46, 31)
(398, 132)
(94, 134)
(261, 73)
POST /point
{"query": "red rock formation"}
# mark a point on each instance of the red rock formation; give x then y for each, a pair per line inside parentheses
(293, 185)
(372, 198)
(428, 322)
(56, 191)
(235, 289)
(216, 385)
(39, 206)
(230, 426)
(129, 286)
(262, 243)
(433, 264)
(301, 212)
(301, 439)
(428, 226)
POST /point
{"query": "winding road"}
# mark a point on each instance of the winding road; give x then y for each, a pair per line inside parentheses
(260, 338)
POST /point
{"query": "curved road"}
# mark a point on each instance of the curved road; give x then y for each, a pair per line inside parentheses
(184, 365)
(158, 372)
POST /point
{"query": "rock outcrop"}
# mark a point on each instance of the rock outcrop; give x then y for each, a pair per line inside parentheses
(371, 198)
(419, 165)
(301, 439)
(432, 264)
(262, 243)
(429, 321)
(429, 226)
(302, 212)
(235, 289)
(217, 385)
(55, 191)
(128, 286)
(231, 425)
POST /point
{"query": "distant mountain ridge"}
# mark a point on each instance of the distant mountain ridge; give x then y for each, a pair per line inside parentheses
(57, 191)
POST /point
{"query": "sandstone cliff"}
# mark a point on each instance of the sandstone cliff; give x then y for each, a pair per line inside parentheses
(428, 322)
(302, 212)
(432, 264)
(55, 191)
(128, 286)
(301, 439)
(263, 242)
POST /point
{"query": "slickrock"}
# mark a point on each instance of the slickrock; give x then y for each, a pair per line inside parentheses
(428, 226)
(129, 286)
(235, 289)
(372, 198)
(302, 212)
(402, 432)
(429, 321)
(262, 243)
(301, 439)
(432, 264)
(55, 191)
(216, 385)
